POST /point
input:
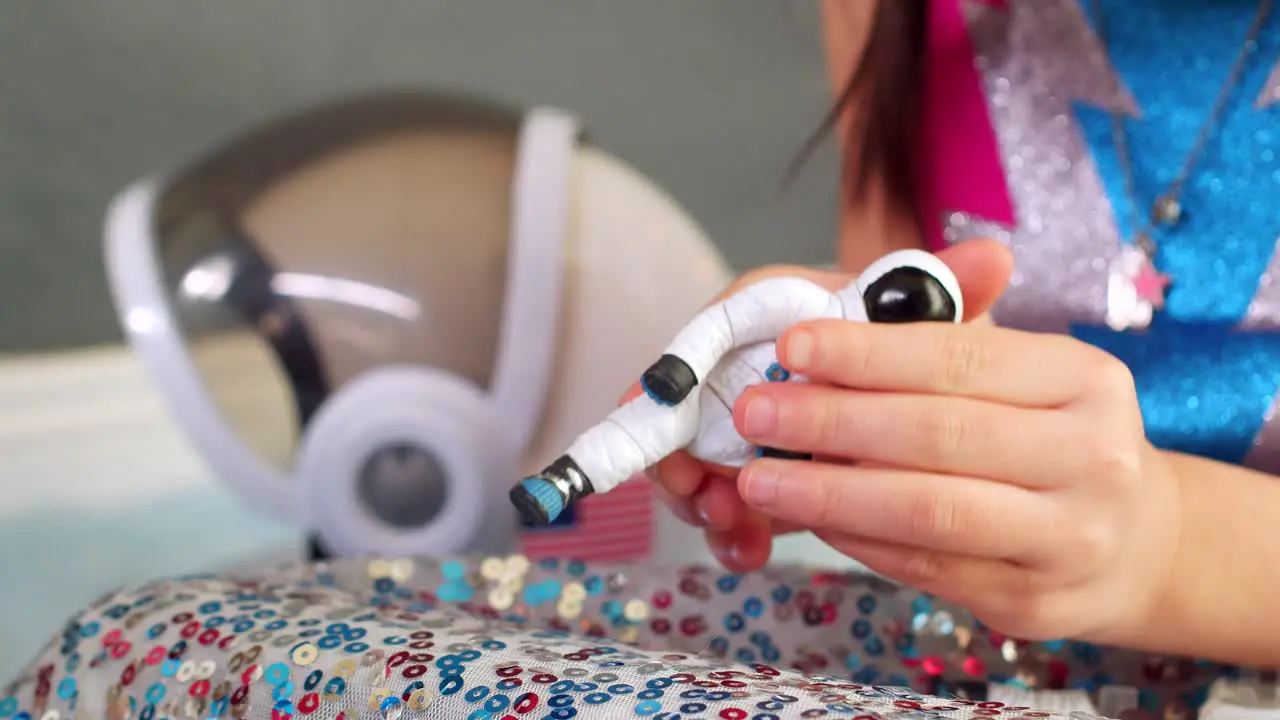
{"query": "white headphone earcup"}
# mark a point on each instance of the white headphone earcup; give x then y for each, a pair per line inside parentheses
(427, 439)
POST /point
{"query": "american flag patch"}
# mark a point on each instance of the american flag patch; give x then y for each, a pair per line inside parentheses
(614, 527)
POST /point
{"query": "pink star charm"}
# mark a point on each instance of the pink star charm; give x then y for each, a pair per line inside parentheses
(1151, 285)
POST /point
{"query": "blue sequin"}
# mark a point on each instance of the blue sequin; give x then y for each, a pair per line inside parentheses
(453, 570)
(455, 591)
(867, 604)
(776, 373)
(921, 605)
(728, 583)
(276, 674)
(733, 622)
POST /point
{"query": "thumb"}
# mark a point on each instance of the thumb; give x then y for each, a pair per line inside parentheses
(983, 268)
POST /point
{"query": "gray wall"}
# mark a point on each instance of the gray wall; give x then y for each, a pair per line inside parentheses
(710, 98)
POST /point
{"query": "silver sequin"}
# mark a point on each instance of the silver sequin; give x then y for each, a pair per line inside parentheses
(1036, 62)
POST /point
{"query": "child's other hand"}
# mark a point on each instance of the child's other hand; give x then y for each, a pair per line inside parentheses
(707, 496)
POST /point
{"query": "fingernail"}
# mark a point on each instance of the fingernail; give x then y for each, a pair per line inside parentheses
(761, 416)
(798, 350)
(703, 515)
(727, 554)
(760, 485)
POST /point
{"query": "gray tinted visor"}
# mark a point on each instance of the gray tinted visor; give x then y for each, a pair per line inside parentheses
(325, 244)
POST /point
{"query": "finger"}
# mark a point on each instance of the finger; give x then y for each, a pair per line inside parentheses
(989, 588)
(744, 548)
(632, 393)
(718, 505)
(938, 433)
(681, 508)
(676, 480)
(832, 280)
(983, 269)
(923, 510)
(680, 474)
(984, 362)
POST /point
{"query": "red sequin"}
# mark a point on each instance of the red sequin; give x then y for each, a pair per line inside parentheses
(973, 665)
(309, 703)
(692, 625)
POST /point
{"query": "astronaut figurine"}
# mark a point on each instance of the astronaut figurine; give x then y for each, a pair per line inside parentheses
(690, 391)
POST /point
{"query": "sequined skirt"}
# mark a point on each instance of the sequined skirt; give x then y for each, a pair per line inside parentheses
(507, 638)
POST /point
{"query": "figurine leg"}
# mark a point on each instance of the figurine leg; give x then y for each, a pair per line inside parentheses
(630, 439)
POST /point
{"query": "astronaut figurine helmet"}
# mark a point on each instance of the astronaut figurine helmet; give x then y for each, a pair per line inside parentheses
(369, 316)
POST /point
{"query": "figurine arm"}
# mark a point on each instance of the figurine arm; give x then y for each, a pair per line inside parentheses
(754, 314)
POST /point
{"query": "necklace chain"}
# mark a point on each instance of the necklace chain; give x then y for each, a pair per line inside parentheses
(1166, 207)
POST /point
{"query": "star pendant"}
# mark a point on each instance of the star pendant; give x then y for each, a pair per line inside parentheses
(1151, 285)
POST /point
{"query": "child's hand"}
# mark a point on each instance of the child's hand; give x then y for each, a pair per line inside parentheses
(706, 495)
(1002, 470)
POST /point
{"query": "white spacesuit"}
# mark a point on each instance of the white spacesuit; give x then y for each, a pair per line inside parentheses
(690, 391)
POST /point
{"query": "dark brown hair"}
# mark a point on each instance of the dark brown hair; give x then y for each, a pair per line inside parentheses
(882, 100)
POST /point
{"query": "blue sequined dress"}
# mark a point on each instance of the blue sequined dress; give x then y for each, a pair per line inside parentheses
(509, 638)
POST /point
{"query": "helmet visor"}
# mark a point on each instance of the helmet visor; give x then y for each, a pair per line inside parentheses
(354, 236)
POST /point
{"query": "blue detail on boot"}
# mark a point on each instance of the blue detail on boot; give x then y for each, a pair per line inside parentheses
(548, 497)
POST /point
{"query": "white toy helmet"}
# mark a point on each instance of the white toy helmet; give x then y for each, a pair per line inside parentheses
(371, 317)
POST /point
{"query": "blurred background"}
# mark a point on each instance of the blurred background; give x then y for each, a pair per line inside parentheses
(709, 99)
